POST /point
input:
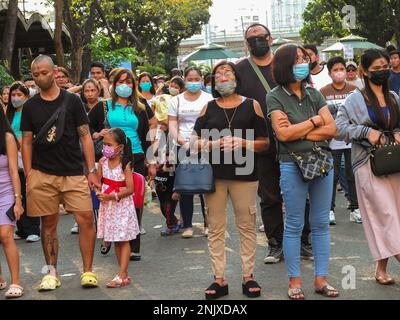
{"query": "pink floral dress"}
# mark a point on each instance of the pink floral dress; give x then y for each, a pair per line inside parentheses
(117, 220)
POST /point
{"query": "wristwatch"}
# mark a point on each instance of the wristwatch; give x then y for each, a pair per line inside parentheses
(93, 170)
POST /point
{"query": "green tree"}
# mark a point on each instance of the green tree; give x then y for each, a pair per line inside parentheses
(378, 21)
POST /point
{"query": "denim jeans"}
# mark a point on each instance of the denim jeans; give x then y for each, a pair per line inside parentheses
(295, 192)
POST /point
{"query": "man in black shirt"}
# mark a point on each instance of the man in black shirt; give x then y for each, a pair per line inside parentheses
(258, 40)
(54, 170)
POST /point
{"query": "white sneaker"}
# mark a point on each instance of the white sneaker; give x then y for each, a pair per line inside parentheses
(188, 233)
(75, 229)
(32, 238)
(332, 218)
(355, 216)
(142, 231)
(261, 228)
(17, 237)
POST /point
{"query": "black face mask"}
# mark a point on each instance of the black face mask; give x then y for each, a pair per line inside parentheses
(313, 65)
(379, 77)
(258, 46)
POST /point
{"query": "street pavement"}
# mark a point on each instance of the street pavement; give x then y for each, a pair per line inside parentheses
(173, 268)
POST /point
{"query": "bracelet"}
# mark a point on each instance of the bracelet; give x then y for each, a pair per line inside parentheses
(313, 122)
(17, 195)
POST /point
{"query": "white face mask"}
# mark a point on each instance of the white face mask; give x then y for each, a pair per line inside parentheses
(33, 91)
(173, 91)
(17, 103)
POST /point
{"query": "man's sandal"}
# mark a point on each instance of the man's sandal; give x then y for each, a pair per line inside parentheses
(118, 282)
(220, 291)
(89, 280)
(327, 291)
(14, 291)
(251, 284)
(296, 294)
(3, 285)
(49, 283)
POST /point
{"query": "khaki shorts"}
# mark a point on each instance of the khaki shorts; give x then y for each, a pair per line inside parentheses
(45, 192)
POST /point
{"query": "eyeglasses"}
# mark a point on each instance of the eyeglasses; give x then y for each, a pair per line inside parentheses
(227, 74)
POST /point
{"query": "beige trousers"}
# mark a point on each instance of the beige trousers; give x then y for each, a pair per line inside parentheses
(243, 196)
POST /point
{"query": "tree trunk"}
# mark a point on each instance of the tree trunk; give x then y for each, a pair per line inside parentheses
(76, 59)
(87, 51)
(9, 33)
(59, 7)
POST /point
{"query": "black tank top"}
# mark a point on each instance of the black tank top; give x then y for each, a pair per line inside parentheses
(244, 121)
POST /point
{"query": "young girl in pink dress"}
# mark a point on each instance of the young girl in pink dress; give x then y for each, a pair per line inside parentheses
(117, 216)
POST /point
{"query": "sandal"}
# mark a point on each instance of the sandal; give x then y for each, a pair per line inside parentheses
(118, 282)
(105, 249)
(88, 280)
(251, 284)
(384, 280)
(14, 291)
(3, 285)
(296, 292)
(49, 283)
(220, 291)
(327, 291)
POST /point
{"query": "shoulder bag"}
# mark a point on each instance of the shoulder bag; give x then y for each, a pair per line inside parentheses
(313, 164)
(53, 130)
(98, 143)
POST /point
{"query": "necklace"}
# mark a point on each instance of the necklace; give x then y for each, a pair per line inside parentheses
(227, 118)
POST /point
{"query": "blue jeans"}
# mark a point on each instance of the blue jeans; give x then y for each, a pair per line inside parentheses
(295, 192)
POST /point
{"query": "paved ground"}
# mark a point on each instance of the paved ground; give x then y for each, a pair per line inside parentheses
(177, 269)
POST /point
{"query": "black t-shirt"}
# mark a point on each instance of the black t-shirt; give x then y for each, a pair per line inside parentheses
(252, 87)
(65, 157)
(244, 118)
(96, 117)
(149, 111)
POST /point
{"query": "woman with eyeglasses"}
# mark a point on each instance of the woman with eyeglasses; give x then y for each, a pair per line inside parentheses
(232, 129)
(352, 74)
(365, 114)
(302, 121)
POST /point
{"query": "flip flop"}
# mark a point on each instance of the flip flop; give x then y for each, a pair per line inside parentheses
(327, 291)
(14, 291)
(49, 283)
(292, 292)
(89, 280)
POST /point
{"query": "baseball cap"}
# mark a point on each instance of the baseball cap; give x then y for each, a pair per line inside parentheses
(351, 63)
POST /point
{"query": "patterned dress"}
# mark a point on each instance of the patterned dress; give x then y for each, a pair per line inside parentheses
(117, 220)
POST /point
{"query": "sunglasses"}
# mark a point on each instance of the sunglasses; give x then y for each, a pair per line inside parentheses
(259, 38)
(351, 70)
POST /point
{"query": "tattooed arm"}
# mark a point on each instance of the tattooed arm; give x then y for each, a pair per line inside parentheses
(27, 137)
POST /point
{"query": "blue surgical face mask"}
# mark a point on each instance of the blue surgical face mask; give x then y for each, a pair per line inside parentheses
(123, 91)
(209, 89)
(194, 86)
(146, 86)
(301, 71)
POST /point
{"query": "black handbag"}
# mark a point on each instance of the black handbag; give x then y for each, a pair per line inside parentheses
(53, 130)
(385, 160)
(195, 177)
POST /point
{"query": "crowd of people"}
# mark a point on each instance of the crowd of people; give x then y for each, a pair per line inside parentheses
(81, 148)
